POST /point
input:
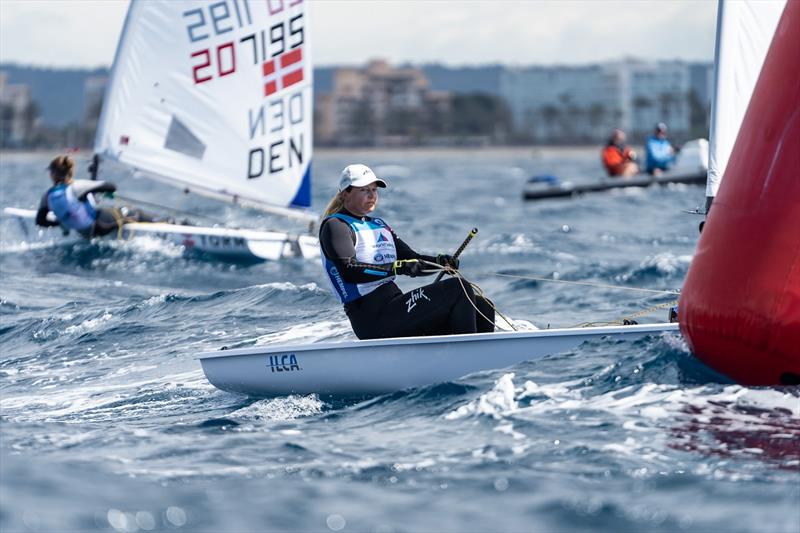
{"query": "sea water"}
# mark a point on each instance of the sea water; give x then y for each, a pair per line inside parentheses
(109, 424)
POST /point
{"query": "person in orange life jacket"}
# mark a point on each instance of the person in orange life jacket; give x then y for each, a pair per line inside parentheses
(63, 205)
(359, 254)
(618, 158)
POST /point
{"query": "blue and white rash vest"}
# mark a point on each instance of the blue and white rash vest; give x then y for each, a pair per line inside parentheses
(72, 213)
(374, 245)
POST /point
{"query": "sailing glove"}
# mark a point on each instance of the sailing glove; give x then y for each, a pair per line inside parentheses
(409, 267)
(446, 260)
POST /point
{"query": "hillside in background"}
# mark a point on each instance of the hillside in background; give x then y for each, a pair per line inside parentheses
(60, 92)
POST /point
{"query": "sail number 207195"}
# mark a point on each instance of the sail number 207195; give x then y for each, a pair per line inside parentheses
(230, 40)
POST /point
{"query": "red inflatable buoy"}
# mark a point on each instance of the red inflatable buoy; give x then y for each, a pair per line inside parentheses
(740, 306)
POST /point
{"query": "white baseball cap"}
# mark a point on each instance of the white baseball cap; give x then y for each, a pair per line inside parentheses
(358, 176)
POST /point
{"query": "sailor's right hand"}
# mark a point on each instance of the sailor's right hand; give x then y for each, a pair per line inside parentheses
(51, 217)
(447, 261)
(407, 267)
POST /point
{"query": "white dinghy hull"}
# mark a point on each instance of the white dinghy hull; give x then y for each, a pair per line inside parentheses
(233, 244)
(364, 368)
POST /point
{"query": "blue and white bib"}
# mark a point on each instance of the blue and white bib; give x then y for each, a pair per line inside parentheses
(71, 212)
(374, 245)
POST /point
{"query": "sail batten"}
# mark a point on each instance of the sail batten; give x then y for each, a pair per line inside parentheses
(189, 76)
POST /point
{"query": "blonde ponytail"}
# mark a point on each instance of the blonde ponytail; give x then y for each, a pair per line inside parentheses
(335, 205)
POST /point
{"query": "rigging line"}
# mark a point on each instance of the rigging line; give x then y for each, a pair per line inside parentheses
(643, 312)
(589, 284)
(166, 208)
(461, 279)
(621, 320)
(479, 292)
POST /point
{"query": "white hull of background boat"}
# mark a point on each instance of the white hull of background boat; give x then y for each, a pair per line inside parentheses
(370, 367)
(238, 244)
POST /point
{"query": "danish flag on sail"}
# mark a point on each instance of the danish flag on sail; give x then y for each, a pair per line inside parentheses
(286, 68)
(740, 305)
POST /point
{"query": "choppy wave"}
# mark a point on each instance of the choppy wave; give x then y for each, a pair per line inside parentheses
(108, 422)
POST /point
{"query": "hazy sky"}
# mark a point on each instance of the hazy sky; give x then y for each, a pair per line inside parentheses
(455, 32)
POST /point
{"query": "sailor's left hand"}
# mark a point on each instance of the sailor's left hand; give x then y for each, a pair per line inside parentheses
(407, 267)
(448, 261)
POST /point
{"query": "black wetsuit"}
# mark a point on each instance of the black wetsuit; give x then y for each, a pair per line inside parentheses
(441, 308)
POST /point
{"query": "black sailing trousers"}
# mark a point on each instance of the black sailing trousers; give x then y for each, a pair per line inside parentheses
(442, 308)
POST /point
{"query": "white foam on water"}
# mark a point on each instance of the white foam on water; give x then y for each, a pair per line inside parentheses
(112, 398)
(88, 325)
(496, 403)
(513, 244)
(416, 465)
(666, 262)
(283, 408)
(154, 300)
(149, 245)
(286, 286)
(508, 429)
(654, 417)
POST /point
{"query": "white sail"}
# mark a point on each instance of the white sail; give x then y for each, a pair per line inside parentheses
(215, 97)
(744, 33)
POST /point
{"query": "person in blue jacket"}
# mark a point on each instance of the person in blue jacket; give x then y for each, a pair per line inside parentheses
(659, 151)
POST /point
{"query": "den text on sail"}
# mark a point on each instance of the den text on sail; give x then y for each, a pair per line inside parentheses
(230, 36)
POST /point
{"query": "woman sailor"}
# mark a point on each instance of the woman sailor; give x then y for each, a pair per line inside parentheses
(362, 255)
(63, 205)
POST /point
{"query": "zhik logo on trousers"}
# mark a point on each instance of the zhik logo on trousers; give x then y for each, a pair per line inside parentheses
(416, 295)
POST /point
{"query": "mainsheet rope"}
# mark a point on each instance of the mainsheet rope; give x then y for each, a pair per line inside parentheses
(475, 288)
(622, 320)
(587, 283)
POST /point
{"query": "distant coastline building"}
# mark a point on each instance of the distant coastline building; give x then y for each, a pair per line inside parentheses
(382, 105)
(377, 105)
(18, 114)
(583, 103)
